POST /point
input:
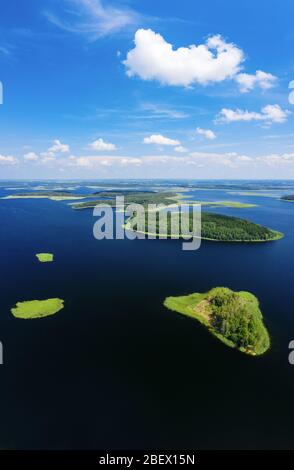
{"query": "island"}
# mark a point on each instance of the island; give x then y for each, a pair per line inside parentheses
(289, 198)
(52, 195)
(152, 197)
(218, 227)
(31, 309)
(233, 317)
(131, 197)
(45, 257)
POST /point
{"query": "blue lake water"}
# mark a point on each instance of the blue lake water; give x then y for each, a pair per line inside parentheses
(115, 369)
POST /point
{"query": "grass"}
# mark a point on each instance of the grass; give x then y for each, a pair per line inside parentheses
(196, 306)
(37, 308)
(45, 257)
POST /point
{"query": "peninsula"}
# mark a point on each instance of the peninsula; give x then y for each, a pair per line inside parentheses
(218, 227)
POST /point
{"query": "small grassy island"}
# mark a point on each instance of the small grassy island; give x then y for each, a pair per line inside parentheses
(37, 308)
(233, 317)
(45, 257)
(218, 227)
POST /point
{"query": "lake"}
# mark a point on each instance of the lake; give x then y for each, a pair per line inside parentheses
(115, 369)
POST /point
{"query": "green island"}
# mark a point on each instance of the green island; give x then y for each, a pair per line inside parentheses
(152, 197)
(217, 227)
(233, 204)
(233, 317)
(31, 309)
(289, 198)
(131, 196)
(53, 195)
(45, 257)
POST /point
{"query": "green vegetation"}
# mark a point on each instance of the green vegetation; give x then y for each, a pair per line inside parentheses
(233, 204)
(131, 197)
(53, 195)
(45, 257)
(37, 308)
(255, 194)
(289, 198)
(233, 317)
(217, 227)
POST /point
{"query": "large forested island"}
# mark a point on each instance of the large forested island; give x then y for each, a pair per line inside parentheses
(233, 317)
(217, 227)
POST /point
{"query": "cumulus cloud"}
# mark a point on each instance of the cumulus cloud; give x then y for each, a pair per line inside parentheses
(58, 147)
(159, 139)
(92, 161)
(47, 159)
(277, 160)
(8, 160)
(93, 18)
(180, 149)
(100, 145)
(31, 157)
(260, 79)
(155, 59)
(194, 161)
(207, 133)
(229, 159)
(271, 113)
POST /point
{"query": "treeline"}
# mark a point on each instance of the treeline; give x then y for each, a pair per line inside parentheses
(224, 228)
(131, 197)
(237, 317)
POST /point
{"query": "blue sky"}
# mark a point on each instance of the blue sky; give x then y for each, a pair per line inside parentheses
(139, 89)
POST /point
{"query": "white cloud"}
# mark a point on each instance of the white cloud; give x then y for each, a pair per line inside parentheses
(180, 149)
(155, 59)
(277, 160)
(207, 133)
(93, 161)
(100, 145)
(269, 114)
(79, 161)
(58, 147)
(218, 163)
(131, 161)
(161, 111)
(229, 159)
(48, 159)
(159, 139)
(93, 18)
(8, 160)
(30, 157)
(260, 79)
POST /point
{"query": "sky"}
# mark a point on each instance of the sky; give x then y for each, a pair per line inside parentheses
(147, 89)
